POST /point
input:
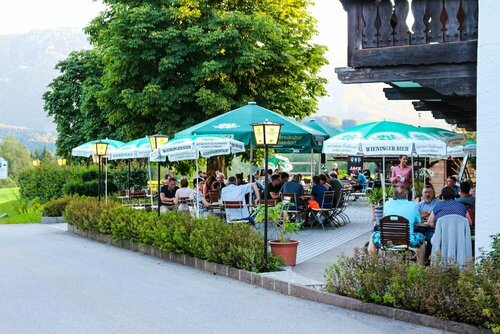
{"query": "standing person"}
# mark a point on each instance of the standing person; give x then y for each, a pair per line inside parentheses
(335, 168)
(402, 175)
(183, 192)
(199, 199)
(167, 194)
(233, 192)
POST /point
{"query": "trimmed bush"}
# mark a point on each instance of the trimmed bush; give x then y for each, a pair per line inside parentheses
(468, 294)
(45, 183)
(235, 245)
(55, 208)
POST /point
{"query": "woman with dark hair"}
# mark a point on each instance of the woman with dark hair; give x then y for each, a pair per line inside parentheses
(448, 206)
(208, 185)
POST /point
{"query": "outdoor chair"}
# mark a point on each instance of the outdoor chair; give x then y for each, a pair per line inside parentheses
(234, 206)
(395, 235)
(270, 202)
(185, 204)
(452, 239)
(326, 210)
(213, 196)
(293, 207)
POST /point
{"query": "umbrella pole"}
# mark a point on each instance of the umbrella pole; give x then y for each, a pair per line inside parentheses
(158, 189)
(128, 179)
(251, 163)
(312, 163)
(412, 179)
(197, 206)
(383, 179)
(106, 183)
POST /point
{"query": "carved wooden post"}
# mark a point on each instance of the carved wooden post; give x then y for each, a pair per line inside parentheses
(385, 30)
(434, 8)
(354, 27)
(452, 33)
(470, 22)
(418, 8)
(369, 31)
(402, 34)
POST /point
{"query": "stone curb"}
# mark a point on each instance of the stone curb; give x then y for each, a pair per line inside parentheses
(52, 220)
(286, 288)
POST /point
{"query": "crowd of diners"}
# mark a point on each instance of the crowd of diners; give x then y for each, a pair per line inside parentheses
(209, 192)
(424, 212)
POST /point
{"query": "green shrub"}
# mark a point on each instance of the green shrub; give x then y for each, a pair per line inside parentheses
(45, 183)
(468, 294)
(55, 208)
(239, 246)
(22, 206)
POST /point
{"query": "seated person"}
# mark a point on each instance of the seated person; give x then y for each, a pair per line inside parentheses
(234, 192)
(199, 200)
(167, 194)
(465, 196)
(448, 206)
(183, 192)
(427, 202)
(324, 182)
(220, 179)
(400, 206)
(274, 187)
(294, 187)
(335, 186)
(359, 180)
(451, 182)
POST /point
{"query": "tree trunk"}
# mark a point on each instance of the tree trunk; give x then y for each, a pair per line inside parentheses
(215, 164)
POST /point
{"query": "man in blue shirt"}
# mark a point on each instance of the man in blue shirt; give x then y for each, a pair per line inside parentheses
(359, 180)
(400, 206)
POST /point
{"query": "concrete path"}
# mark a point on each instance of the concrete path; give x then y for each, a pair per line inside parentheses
(54, 282)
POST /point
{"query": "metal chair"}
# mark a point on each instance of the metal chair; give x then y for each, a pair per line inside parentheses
(325, 211)
(293, 207)
(395, 235)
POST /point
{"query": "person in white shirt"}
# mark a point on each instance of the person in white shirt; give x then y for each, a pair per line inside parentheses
(183, 192)
(232, 192)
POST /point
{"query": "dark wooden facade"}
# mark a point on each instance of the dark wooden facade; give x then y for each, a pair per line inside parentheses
(437, 54)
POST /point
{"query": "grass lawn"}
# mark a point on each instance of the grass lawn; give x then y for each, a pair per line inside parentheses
(8, 198)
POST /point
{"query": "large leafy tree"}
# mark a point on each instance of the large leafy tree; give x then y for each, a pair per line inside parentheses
(72, 101)
(17, 156)
(169, 64)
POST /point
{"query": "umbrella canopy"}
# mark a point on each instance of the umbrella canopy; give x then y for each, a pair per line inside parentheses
(449, 137)
(462, 150)
(85, 150)
(329, 130)
(189, 148)
(276, 159)
(237, 124)
(135, 149)
(384, 139)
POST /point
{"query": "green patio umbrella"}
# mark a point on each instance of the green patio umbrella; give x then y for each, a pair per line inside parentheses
(329, 130)
(135, 149)
(85, 150)
(237, 124)
(451, 138)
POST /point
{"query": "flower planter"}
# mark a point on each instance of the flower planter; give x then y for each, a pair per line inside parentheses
(286, 250)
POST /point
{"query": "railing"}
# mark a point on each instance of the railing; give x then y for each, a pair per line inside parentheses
(384, 23)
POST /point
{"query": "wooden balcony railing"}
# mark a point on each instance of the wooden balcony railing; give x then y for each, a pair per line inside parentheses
(447, 27)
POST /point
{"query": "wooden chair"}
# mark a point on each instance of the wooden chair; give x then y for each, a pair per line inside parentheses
(213, 196)
(270, 202)
(395, 235)
(233, 205)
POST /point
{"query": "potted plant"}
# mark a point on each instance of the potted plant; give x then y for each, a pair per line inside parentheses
(376, 198)
(283, 246)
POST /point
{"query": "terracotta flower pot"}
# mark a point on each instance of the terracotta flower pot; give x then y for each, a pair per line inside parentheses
(286, 250)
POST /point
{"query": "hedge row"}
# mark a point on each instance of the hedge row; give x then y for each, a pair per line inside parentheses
(235, 245)
(469, 294)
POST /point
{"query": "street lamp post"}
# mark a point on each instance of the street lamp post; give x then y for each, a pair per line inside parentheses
(99, 149)
(156, 141)
(267, 134)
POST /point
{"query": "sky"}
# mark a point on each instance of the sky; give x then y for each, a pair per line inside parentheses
(366, 102)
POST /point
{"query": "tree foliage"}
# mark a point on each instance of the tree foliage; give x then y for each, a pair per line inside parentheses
(169, 64)
(72, 102)
(164, 65)
(17, 156)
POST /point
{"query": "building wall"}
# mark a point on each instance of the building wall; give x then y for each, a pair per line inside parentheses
(488, 125)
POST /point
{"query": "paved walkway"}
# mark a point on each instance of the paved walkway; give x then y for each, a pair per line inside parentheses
(54, 282)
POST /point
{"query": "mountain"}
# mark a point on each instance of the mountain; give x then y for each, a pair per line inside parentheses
(27, 64)
(33, 139)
